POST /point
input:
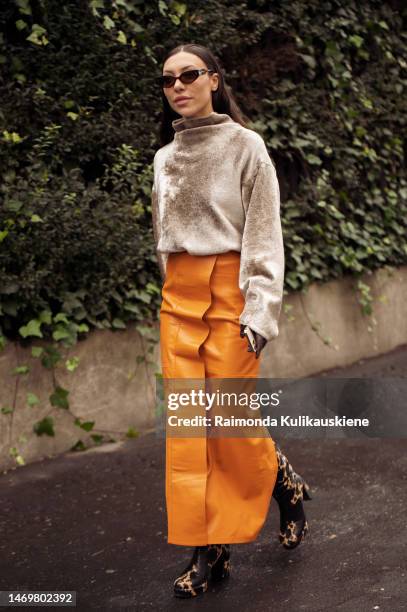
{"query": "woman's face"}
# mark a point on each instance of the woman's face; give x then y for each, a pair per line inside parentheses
(198, 102)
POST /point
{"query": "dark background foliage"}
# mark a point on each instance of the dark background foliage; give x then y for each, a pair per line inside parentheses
(324, 84)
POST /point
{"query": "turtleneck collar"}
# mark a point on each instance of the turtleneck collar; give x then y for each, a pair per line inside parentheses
(187, 123)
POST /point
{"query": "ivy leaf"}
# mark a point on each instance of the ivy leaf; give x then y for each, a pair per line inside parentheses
(83, 327)
(51, 358)
(44, 427)
(309, 60)
(356, 40)
(118, 323)
(313, 159)
(60, 398)
(72, 363)
(15, 138)
(24, 7)
(20, 24)
(132, 433)
(37, 35)
(121, 37)
(36, 351)
(31, 329)
(108, 23)
(87, 425)
(78, 446)
(32, 399)
(14, 453)
(131, 307)
(60, 333)
(61, 316)
(21, 370)
(45, 317)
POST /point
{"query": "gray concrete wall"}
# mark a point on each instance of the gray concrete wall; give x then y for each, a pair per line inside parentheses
(334, 309)
(113, 389)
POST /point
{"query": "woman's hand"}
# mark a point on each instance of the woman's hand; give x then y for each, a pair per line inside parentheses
(260, 341)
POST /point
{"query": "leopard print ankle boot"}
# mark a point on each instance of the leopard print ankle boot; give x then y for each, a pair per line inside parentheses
(207, 561)
(289, 491)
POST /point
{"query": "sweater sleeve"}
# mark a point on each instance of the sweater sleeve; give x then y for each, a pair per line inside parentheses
(261, 276)
(155, 213)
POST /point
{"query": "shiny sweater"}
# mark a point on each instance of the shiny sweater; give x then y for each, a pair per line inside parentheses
(215, 190)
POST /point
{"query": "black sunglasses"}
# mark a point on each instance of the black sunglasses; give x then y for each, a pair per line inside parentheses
(167, 80)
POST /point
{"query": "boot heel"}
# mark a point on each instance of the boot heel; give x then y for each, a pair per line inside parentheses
(305, 531)
(220, 571)
(305, 491)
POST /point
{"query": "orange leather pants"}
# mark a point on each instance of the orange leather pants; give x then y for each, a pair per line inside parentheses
(218, 489)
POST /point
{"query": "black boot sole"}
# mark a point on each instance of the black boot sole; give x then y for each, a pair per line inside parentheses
(217, 573)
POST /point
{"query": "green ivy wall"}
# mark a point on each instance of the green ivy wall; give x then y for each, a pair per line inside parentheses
(78, 114)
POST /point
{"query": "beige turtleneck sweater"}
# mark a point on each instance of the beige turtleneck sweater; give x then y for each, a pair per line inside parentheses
(215, 190)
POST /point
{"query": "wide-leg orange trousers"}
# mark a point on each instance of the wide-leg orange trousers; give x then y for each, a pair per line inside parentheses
(218, 489)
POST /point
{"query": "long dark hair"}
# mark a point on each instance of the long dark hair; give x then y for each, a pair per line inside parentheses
(223, 100)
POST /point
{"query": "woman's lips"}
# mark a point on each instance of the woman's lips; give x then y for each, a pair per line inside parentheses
(183, 101)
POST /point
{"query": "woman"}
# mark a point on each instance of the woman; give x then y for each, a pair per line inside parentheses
(215, 208)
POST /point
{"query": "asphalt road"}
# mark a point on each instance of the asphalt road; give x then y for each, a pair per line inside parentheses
(94, 522)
